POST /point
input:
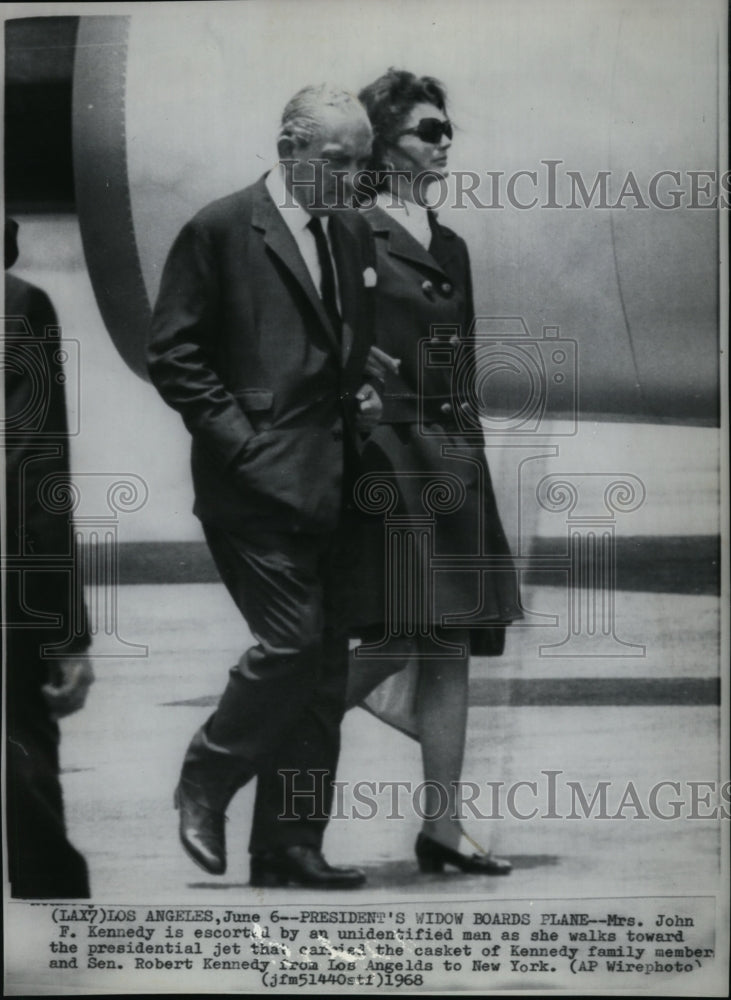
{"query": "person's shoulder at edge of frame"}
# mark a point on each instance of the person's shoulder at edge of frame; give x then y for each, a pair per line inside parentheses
(23, 297)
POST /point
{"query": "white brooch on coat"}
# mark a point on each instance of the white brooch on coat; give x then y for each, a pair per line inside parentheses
(369, 278)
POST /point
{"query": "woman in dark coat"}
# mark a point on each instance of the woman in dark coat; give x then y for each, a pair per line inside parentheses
(425, 493)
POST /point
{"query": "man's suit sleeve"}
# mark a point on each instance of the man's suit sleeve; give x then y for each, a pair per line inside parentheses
(182, 349)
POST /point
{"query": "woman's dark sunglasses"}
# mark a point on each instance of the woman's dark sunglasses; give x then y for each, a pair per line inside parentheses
(431, 130)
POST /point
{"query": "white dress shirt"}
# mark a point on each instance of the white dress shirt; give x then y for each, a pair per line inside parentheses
(297, 219)
(412, 217)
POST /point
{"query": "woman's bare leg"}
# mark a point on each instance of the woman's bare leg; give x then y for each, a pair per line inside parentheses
(441, 708)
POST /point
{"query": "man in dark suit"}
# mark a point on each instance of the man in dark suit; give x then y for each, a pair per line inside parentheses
(48, 675)
(260, 340)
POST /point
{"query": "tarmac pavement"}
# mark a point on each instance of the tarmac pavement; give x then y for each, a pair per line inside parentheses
(654, 718)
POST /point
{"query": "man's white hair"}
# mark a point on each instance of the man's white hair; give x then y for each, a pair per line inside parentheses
(302, 117)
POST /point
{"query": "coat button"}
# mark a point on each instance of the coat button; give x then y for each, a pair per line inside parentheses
(427, 288)
(447, 288)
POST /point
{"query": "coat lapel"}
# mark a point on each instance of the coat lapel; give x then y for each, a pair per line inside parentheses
(279, 240)
(400, 241)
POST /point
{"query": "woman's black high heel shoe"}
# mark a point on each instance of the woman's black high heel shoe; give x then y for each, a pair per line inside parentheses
(433, 856)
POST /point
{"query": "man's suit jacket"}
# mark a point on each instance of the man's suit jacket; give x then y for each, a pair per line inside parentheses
(242, 347)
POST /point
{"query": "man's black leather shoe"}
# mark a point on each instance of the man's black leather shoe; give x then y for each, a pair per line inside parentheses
(201, 831)
(302, 866)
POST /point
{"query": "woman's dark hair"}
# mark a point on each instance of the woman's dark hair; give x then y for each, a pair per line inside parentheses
(388, 101)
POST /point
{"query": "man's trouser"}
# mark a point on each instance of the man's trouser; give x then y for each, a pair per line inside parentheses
(279, 716)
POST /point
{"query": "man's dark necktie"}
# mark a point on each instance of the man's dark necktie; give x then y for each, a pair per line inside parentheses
(327, 274)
